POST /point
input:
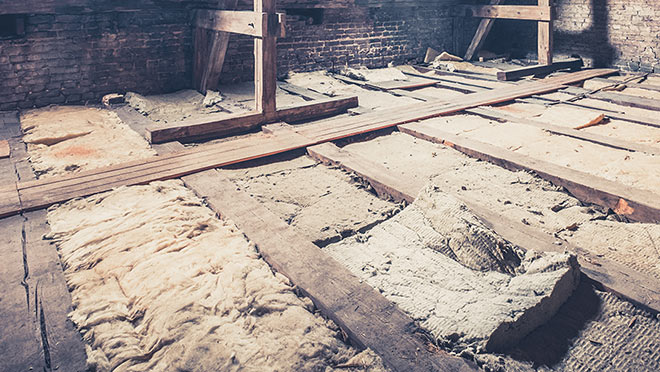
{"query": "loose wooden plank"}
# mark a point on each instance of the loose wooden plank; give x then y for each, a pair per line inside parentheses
(564, 131)
(523, 12)
(461, 85)
(317, 109)
(42, 193)
(368, 318)
(195, 129)
(573, 64)
(545, 38)
(480, 36)
(638, 205)
(412, 83)
(463, 74)
(625, 282)
(305, 93)
(4, 149)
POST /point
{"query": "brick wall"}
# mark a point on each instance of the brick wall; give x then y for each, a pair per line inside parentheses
(74, 58)
(76, 51)
(621, 33)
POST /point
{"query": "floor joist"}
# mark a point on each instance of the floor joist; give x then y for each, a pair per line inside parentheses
(566, 131)
(617, 98)
(636, 204)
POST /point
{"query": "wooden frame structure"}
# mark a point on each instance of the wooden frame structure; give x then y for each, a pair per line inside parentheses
(543, 13)
(265, 25)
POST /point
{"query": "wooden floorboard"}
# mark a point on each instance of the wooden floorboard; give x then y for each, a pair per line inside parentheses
(617, 278)
(368, 318)
(20, 340)
(35, 301)
(42, 193)
(50, 298)
(636, 204)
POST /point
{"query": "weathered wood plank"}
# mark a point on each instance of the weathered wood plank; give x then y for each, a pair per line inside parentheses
(636, 204)
(305, 93)
(363, 314)
(523, 12)
(625, 282)
(223, 126)
(573, 64)
(239, 22)
(317, 109)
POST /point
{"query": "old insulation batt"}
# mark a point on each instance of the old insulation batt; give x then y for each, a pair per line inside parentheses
(159, 283)
(467, 286)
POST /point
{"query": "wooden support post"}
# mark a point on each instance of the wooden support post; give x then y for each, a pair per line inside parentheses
(480, 36)
(265, 61)
(545, 37)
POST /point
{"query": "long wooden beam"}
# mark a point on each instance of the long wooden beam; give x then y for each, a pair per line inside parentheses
(195, 129)
(522, 12)
(636, 204)
(368, 318)
(573, 64)
(624, 281)
(43, 193)
(240, 22)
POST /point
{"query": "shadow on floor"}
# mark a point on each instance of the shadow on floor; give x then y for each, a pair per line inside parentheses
(548, 344)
